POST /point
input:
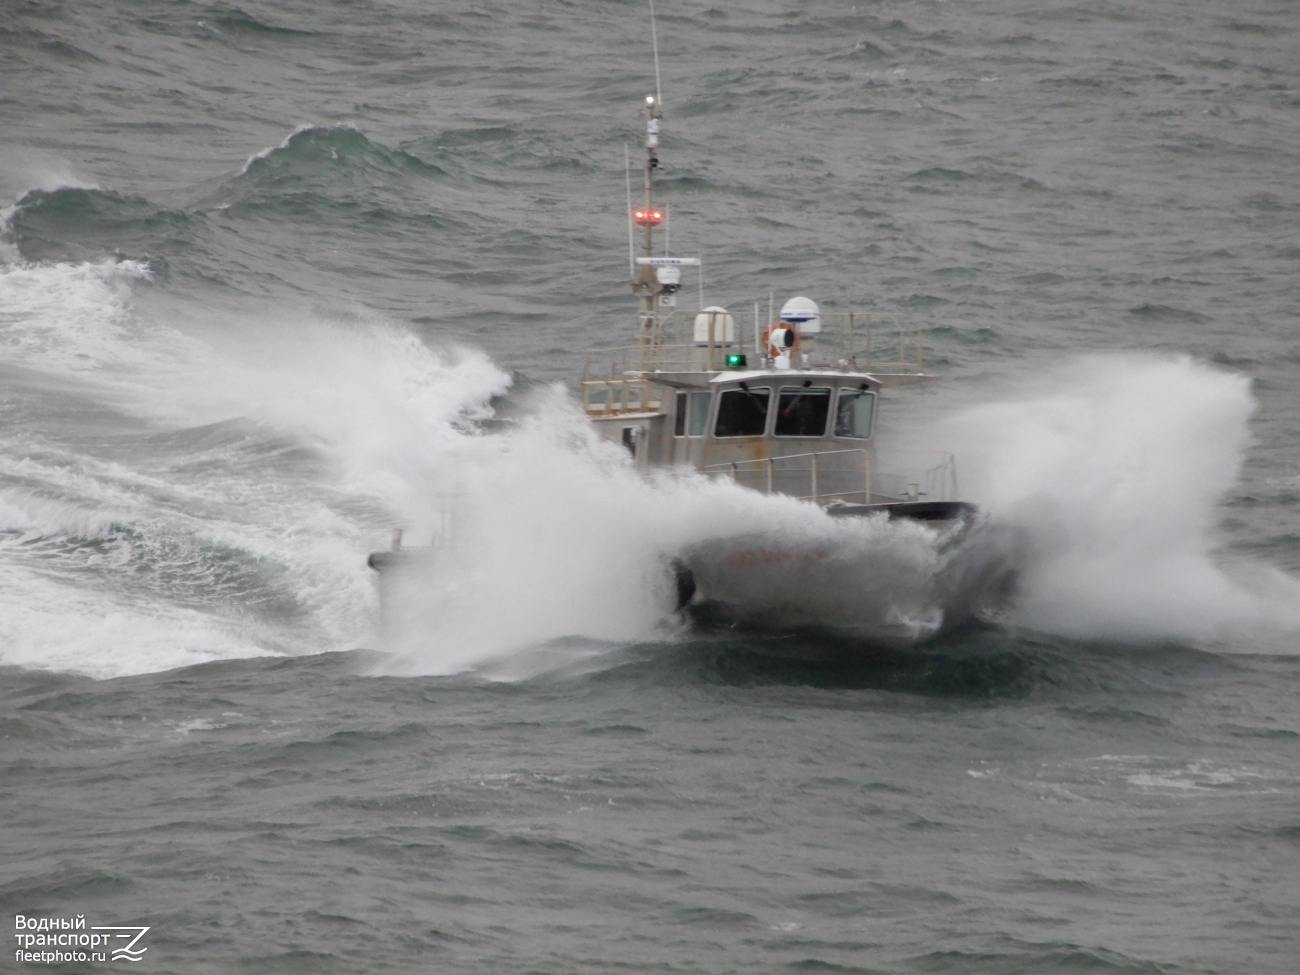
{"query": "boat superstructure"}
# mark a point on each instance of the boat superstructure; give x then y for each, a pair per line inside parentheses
(785, 403)
(779, 402)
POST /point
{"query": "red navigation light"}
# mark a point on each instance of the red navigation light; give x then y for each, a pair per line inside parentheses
(648, 217)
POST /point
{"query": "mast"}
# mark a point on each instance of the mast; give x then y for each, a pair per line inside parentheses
(655, 280)
(646, 283)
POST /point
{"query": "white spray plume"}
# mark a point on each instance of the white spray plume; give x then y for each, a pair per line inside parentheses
(1112, 470)
(557, 535)
(1113, 467)
(381, 414)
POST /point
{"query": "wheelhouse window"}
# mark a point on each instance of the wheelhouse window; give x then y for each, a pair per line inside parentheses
(742, 412)
(853, 413)
(692, 414)
(698, 416)
(801, 411)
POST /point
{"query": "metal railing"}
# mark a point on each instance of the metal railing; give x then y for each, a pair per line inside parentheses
(854, 340)
(827, 474)
(941, 480)
(607, 397)
(826, 477)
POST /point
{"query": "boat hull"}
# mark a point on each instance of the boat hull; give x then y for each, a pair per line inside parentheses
(880, 574)
(893, 574)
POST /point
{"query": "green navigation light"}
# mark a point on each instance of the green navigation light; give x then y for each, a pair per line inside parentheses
(737, 360)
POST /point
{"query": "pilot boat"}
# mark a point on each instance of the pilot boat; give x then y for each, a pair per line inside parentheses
(789, 409)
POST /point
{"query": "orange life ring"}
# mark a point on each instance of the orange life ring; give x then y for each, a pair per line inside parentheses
(774, 334)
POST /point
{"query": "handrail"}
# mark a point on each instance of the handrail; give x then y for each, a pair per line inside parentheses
(768, 465)
(847, 341)
(809, 453)
(941, 480)
(619, 396)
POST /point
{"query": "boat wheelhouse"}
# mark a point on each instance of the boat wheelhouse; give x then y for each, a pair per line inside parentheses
(787, 405)
(789, 409)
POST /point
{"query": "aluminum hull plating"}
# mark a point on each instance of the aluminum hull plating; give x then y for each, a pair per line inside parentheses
(888, 574)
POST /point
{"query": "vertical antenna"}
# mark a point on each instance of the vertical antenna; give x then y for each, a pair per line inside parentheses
(645, 281)
(668, 229)
(631, 243)
(771, 298)
(654, 41)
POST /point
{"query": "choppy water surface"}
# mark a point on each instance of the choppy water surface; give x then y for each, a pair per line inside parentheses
(276, 277)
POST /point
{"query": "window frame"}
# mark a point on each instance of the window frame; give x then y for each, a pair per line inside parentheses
(831, 400)
(706, 397)
(855, 391)
(717, 413)
(684, 412)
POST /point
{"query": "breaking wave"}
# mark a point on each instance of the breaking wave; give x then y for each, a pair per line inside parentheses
(180, 484)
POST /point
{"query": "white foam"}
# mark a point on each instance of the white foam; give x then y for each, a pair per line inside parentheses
(381, 413)
(68, 318)
(557, 535)
(1113, 467)
(49, 624)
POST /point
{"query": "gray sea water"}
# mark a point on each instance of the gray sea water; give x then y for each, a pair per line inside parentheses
(276, 277)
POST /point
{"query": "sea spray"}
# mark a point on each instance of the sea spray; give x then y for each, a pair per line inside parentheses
(1110, 468)
(251, 457)
(554, 534)
(236, 476)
